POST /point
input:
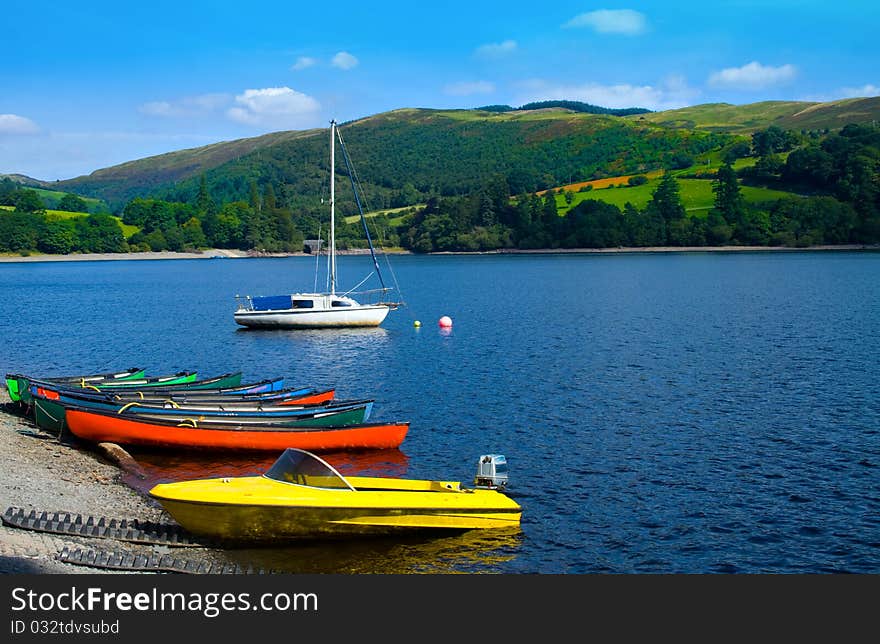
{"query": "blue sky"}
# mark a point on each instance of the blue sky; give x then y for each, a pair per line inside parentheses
(86, 85)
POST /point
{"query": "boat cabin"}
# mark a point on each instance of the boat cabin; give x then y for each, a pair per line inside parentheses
(298, 301)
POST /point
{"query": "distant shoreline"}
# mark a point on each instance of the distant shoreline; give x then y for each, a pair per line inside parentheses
(234, 254)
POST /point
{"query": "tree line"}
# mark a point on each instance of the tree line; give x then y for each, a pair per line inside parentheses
(29, 228)
(837, 173)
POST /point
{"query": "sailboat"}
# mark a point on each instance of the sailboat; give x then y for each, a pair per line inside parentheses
(321, 310)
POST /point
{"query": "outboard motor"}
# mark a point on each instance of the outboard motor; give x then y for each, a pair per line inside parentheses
(491, 472)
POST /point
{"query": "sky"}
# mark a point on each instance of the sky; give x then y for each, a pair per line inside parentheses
(88, 85)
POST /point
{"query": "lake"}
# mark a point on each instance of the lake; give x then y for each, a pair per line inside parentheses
(661, 412)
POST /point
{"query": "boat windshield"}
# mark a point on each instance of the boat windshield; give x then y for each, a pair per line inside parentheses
(304, 468)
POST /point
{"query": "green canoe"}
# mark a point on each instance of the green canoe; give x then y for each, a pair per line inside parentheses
(17, 384)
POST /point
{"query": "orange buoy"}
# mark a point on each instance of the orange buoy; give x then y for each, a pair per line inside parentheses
(445, 322)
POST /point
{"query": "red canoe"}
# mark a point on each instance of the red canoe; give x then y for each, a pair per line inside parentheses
(112, 428)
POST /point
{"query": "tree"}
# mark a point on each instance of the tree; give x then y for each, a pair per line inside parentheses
(228, 228)
(27, 200)
(736, 151)
(58, 238)
(594, 224)
(19, 230)
(549, 215)
(768, 168)
(269, 197)
(99, 233)
(174, 239)
(204, 203)
(754, 227)
(255, 196)
(811, 165)
(156, 241)
(718, 231)
(666, 200)
(72, 203)
(486, 215)
(728, 200)
(773, 139)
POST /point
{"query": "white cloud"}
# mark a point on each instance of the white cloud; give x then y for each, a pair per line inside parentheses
(671, 93)
(158, 108)
(752, 76)
(859, 92)
(467, 88)
(274, 107)
(303, 62)
(611, 21)
(497, 50)
(344, 60)
(187, 106)
(15, 124)
(208, 102)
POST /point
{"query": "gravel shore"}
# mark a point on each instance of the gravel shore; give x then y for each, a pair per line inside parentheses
(220, 253)
(39, 472)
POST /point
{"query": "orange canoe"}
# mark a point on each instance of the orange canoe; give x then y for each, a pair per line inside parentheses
(112, 428)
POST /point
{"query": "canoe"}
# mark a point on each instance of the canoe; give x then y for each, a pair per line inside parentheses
(303, 496)
(263, 386)
(109, 427)
(98, 385)
(16, 384)
(179, 378)
(111, 401)
(228, 384)
(320, 417)
(49, 414)
(299, 396)
(185, 380)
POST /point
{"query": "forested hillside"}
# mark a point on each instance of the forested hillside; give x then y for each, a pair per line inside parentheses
(481, 180)
(406, 155)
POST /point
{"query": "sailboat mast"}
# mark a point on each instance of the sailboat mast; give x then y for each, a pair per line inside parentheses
(332, 258)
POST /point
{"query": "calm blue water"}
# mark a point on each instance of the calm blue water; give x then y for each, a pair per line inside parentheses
(668, 413)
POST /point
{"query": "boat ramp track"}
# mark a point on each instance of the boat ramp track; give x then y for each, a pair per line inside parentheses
(126, 530)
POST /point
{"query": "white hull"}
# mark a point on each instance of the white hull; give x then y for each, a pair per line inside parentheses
(362, 316)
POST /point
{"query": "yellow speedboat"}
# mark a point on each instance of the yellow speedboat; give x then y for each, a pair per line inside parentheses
(303, 496)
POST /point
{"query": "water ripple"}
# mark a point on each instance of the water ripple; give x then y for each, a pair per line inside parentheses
(661, 413)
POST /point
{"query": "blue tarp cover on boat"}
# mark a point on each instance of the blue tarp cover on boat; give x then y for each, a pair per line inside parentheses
(271, 302)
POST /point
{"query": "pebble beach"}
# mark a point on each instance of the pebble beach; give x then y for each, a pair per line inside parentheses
(40, 472)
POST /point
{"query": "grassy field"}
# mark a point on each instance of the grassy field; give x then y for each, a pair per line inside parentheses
(724, 117)
(696, 195)
(402, 212)
(127, 230)
(745, 119)
(52, 197)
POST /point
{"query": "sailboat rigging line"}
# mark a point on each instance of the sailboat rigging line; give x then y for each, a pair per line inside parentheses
(331, 258)
(352, 289)
(357, 199)
(317, 254)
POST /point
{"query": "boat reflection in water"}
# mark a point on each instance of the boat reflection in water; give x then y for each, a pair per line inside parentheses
(165, 467)
(473, 551)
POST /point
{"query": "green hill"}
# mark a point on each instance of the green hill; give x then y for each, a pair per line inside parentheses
(745, 119)
(145, 177)
(406, 155)
(50, 197)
